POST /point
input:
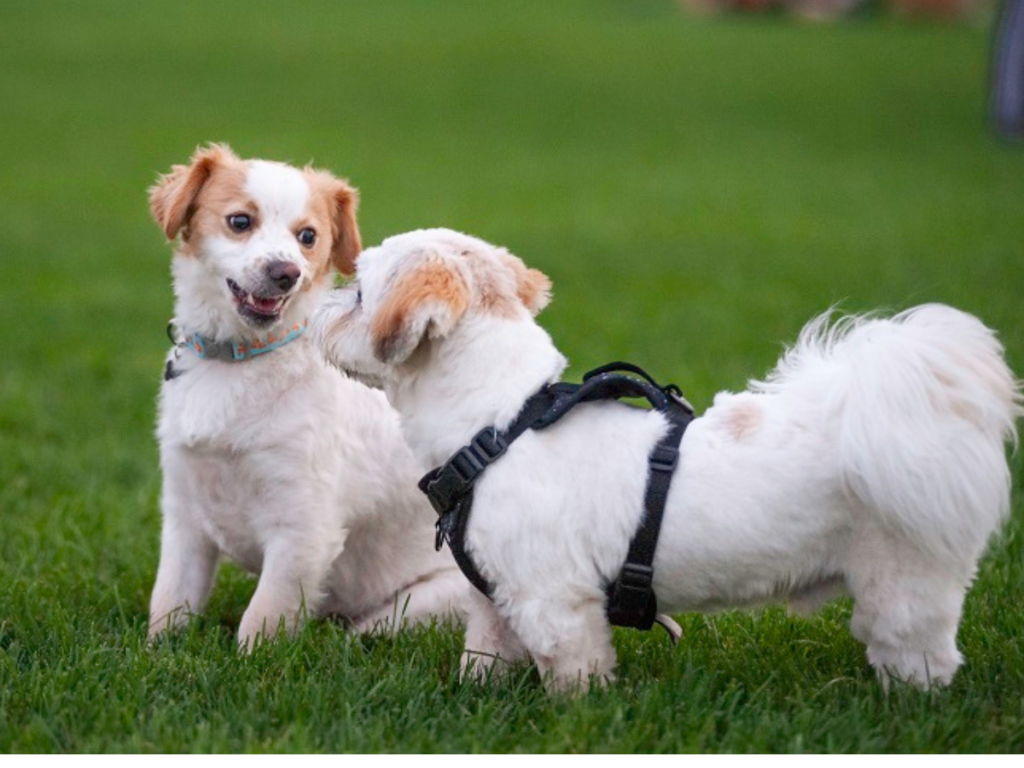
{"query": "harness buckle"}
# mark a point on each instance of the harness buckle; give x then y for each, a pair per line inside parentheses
(675, 394)
(631, 601)
(440, 489)
(486, 446)
(444, 527)
(664, 459)
(636, 577)
(455, 479)
(489, 443)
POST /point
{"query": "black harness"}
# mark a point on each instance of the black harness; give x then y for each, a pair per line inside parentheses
(631, 601)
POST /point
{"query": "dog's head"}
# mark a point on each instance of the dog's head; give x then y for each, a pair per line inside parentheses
(261, 232)
(413, 292)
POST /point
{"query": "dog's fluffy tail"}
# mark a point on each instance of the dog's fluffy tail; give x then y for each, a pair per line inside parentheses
(924, 404)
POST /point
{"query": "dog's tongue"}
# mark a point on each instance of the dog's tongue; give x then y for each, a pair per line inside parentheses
(268, 306)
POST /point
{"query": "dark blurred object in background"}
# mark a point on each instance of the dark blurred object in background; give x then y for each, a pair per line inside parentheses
(943, 9)
(827, 10)
(811, 9)
(1008, 72)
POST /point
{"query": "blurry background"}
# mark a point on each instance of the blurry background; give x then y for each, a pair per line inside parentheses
(697, 184)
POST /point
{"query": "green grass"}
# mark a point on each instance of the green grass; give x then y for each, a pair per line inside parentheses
(697, 189)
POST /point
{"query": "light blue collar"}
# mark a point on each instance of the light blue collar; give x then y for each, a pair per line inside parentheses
(233, 350)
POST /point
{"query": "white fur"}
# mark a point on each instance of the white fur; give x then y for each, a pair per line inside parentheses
(281, 463)
(872, 460)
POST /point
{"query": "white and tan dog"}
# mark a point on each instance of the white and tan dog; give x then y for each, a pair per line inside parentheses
(276, 460)
(871, 460)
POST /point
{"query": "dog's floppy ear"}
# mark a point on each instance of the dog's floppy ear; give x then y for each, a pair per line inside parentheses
(346, 244)
(533, 287)
(427, 301)
(172, 199)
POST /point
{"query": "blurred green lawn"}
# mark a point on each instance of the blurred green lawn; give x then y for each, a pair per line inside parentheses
(696, 188)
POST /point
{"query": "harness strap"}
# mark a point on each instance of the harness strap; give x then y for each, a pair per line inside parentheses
(453, 481)
(631, 600)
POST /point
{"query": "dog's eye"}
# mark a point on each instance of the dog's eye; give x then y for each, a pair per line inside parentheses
(359, 296)
(239, 222)
(307, 236)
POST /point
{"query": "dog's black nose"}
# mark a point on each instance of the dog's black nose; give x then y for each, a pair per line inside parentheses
(284, 274)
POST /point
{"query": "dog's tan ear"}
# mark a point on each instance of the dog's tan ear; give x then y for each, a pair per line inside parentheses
(343, 199)
(347, 243)
(532, 286)
(428, 301)
(172, 199)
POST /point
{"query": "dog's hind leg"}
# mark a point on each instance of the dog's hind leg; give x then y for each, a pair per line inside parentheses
(907, 609)
(491, 645)
(438, 596)
(188, 560)
(571, 642)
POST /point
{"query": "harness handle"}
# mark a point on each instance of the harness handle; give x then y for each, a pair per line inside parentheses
(628, 368)
(671, 390)
(616, 386)
(609, 383)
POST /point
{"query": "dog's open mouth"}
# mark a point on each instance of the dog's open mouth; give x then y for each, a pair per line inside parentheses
(260, 309)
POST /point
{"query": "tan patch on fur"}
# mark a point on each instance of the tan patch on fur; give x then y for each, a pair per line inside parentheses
(742, 419)
(504, 288)
(339, 200)
(495, 292)
(224, 193)
(433, 283)
(532, 286)
(173, 200)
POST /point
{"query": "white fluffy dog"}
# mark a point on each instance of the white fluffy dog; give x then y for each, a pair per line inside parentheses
(872, 459)
(271, 457)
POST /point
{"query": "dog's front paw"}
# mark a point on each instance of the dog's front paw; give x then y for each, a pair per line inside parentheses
(257, 628)
(917, 668)
(163, 622)
(578, 684)
(574, 675)
(481, 667)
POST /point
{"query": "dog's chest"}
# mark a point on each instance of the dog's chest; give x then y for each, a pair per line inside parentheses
(230, 504)
(234, 406)
(229, 437)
